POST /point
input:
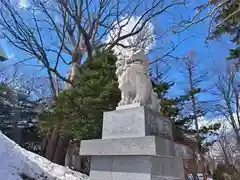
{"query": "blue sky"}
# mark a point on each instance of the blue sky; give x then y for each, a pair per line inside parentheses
(212, 57)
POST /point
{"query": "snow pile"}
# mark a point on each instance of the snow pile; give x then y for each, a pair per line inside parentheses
(17, 162)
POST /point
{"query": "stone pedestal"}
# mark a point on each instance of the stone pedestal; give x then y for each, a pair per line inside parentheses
(136, 144)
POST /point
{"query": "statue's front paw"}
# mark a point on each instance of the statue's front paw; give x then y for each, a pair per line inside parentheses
(137, 100)
(123, 102)
(120, 103)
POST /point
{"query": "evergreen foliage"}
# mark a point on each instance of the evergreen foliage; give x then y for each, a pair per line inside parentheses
(175, 110)
(228, 21)
(79, 110)
(17, 113)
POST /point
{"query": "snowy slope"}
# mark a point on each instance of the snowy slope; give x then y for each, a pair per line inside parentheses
(15, 160)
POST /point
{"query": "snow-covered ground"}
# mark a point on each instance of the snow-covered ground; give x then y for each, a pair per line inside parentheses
(15, 161)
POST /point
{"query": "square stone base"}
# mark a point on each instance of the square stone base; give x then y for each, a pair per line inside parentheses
(135, 122)
(136, 168)
(148, 145)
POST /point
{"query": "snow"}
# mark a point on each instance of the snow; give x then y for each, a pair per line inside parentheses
(16, 161)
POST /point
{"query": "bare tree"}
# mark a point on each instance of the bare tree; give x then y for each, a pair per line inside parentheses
(66, 32)
(194, 79)
(76, 28)
(228, 96)
(27, 80)
(226, 144)
(24, 96)
(205, 11)
(25, 34)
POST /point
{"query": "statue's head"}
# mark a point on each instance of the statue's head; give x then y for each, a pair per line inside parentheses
(139, 55)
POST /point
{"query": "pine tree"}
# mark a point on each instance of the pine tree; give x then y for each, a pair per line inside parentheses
(18, 118)
(228, 21)
(175, 110)
(79, 110)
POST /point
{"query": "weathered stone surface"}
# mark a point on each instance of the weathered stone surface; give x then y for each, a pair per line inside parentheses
(148, 145)
(135, 122)
(167, 167)
(182, 151)
(136, 144)
(134, 82)
(136, 168)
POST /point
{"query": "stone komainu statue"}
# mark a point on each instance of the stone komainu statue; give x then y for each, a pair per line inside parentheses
(134, 82)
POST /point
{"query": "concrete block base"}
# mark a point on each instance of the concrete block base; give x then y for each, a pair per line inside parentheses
(136, 144)
(136, 168)
(135, 122)
(148, 145)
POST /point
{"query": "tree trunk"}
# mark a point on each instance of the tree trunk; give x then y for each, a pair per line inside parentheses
(70, 152)
(61, 149)
(52, 143)
(74, 160)
(72, 74)
(51, 81)
(45, 142)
